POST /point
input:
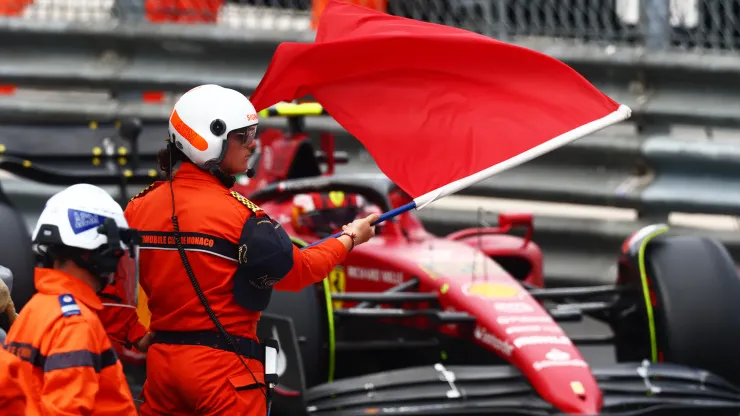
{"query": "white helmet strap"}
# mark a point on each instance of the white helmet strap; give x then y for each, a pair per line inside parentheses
(212, 166)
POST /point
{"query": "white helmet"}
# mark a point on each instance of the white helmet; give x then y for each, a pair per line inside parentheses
(204, 116)
(85, 217)
(74, 215)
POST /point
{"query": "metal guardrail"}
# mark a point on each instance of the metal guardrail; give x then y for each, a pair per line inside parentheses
(83, 73)
(652, 174)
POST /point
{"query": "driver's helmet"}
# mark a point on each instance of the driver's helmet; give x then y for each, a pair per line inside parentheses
(324, 213)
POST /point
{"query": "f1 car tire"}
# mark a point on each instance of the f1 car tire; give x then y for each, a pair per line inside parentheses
(16, 253)
(696, 303)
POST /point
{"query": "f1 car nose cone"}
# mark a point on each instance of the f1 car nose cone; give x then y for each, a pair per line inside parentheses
(570, 393)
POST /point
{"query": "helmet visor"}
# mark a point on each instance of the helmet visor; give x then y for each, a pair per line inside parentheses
(246, 137)
(124, 291)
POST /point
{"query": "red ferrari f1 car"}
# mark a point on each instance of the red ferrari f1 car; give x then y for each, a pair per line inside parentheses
(414, 323)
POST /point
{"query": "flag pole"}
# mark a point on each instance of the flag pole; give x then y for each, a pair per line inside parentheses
(620, 114)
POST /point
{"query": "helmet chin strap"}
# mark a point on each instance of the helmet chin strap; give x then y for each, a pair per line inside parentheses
(227, 180)
(101, 274)
(213, 167)
(103, 262)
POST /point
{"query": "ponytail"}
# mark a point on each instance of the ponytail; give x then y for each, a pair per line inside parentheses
(164, 155)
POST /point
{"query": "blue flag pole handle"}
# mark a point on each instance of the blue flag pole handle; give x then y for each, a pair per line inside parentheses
(383, 217)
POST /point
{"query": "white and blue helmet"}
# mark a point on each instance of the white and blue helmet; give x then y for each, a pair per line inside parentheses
(83, 221)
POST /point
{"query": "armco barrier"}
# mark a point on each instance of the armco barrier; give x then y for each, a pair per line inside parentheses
(653, 175)
(692, 177)
(124, 58)
(667, 176)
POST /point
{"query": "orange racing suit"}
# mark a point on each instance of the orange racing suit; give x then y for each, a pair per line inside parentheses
(121, 323)
(68, 365)
(238, 256)
(12, 398)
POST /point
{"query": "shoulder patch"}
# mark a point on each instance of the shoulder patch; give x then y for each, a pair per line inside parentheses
(146, 190)
(247, 203)
(68, 305)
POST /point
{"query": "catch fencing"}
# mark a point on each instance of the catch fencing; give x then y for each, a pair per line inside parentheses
(663, 24)
(64, 64)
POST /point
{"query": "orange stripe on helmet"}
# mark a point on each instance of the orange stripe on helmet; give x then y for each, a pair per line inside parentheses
(187, 133)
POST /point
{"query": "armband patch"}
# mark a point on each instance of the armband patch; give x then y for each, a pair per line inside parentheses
(146, 190)
(68, 305)
(247, 203)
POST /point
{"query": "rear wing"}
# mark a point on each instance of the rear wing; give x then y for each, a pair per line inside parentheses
(295, 113)
(119, 154)
(284, 109)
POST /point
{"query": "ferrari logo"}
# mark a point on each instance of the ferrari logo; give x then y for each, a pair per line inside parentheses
(488, 290)
(577, 387)
(336, 198)
(337, 283)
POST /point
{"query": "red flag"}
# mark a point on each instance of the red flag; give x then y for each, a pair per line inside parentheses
(438, 108)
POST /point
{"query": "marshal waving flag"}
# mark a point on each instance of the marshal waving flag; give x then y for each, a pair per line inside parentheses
(438, 108)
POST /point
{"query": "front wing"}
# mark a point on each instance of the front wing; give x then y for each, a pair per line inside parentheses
(629, 389)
